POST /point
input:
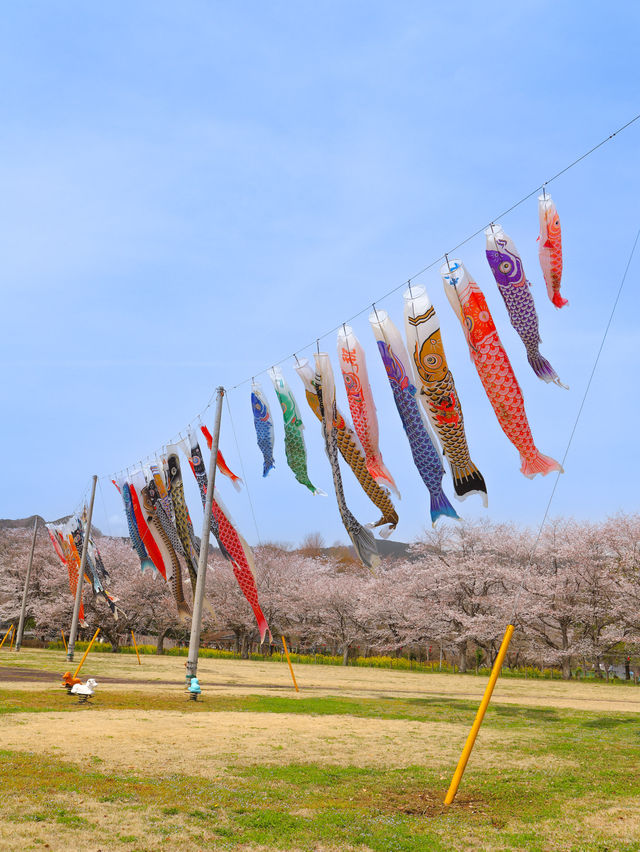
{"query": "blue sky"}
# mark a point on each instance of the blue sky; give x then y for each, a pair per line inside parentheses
(192, 192)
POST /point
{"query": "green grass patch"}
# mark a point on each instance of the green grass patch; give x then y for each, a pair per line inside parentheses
(429, 709)
(303, 806)
(560, 767)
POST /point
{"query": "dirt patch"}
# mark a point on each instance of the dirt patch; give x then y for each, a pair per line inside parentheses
(430, 803)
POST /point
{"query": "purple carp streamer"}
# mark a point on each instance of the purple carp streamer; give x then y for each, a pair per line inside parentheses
(508, 270)
(425, 456)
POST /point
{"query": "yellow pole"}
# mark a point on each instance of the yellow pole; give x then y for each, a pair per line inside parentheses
(13, 636)
(75, 674)
(64, 641)
(5, 635)
(136, 647)
(286, 650)
(473, 733)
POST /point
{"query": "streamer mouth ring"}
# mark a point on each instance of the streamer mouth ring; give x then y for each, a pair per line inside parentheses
(378, 316)
(417, 291)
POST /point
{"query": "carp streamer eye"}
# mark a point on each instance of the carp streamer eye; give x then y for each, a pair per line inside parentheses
(433, 361)
(506, 266)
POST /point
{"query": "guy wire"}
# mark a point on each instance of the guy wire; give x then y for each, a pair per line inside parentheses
(573, 432)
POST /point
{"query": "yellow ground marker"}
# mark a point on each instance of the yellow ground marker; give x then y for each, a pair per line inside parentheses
(477, 722)
(64, 641)
(75, 674)
(136, 647)
(286, 650)
(5, 635)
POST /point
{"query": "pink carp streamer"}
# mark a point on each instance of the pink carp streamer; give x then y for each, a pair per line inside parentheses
(550, 248)
(363, 409)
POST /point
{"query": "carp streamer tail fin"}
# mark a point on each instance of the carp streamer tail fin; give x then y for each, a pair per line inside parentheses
(469, 481)
(379, 472)
(263, 627)
(365, 546)
(543, 369)
(558, 301)
(539, 464)
(440, 505)
(148, 563)
(184, 613)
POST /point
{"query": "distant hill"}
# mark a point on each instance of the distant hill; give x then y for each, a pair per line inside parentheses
(20, 523)
(386, 547)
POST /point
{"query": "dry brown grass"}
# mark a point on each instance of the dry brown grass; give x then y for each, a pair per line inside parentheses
(154, 743)
(248, 677)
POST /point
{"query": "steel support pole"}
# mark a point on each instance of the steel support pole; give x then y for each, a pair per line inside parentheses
(83, 561)
(26, 588)
(198, 598)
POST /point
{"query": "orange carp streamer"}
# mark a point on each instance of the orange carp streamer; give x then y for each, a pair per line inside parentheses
(493, 366)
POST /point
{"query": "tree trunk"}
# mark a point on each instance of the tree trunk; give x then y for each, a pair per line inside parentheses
(566, 668)
(345, 656)
(244, 647)
(160, 642)
(462, 650)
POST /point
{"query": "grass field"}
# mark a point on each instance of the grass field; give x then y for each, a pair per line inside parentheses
(360, 760)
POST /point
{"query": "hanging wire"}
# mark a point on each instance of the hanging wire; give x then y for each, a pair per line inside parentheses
(444, 256)
(527, 567)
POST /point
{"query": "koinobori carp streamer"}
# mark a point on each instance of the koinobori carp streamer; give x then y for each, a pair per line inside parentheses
(425, 455)
(134, 534)
(439, 395)
(181, 516)
(550, 248)
(294, 446)
(232, 545)
(69, 557)
(97, 573)
(352, 453)
(508, 270)
(353, 365)
(493, 366)
(363, 541)
(263, 423)
(223, 467)
(166, 536)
